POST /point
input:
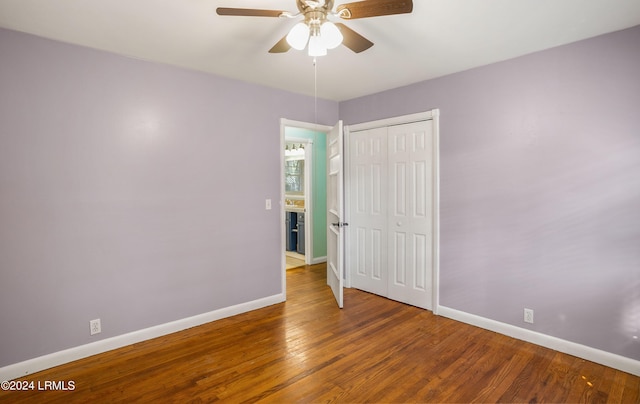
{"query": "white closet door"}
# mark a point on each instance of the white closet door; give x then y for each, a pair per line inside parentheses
(368, 219)
(410, 202)
(391, 182)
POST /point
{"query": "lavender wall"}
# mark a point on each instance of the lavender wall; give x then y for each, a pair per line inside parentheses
(131, 192)
(540, 188)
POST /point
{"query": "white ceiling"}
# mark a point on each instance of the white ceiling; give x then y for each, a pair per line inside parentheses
(440, 37)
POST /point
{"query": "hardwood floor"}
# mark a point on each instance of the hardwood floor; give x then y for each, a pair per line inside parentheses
(308, 350)
(294, 260)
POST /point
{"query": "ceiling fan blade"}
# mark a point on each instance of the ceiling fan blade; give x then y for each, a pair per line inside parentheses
(353, 40)
(374, 8)
(248, 12)
(281, 46)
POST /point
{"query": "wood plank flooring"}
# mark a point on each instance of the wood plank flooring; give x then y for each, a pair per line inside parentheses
(293, 261)
(307, 350)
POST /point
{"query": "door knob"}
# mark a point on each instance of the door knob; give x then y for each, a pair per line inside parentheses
(399, 224)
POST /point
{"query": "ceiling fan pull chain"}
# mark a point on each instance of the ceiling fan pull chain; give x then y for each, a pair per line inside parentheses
(315, 89)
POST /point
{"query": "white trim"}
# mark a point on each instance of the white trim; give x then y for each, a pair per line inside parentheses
(283, 242)
(396, 120)
(582, 351)
(304, 125)
(30, 366)
(318, 260)
(309, 184)
(435, 116)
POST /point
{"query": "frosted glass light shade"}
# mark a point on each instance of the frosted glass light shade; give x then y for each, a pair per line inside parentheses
(298, 36)
(331, 35)
(316, 46)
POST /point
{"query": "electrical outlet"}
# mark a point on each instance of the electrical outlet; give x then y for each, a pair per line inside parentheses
(528, 316)
(95, 327)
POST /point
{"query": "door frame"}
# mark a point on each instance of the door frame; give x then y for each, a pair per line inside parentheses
(284, 123)
(433, 115)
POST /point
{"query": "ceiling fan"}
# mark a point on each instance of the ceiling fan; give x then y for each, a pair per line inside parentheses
(317, 31)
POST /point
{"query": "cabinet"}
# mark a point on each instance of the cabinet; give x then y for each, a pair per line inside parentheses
(294, 225)
(301, 240)
(291, 226)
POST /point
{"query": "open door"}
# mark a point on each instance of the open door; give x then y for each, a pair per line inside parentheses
(335, 212)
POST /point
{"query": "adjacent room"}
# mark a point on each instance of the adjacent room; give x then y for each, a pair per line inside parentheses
(157, 159)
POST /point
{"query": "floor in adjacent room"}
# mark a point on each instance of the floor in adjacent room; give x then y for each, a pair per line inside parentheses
(294, 260)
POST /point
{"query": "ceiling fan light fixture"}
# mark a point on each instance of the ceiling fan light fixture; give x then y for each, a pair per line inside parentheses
(317, 46)
(298, 36)
(331, 35)
(325, 34)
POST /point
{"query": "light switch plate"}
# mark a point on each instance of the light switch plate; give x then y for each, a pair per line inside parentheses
(267, 204)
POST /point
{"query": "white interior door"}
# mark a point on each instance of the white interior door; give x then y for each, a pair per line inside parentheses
(392, 174)
(410, 216)
(335, 213)
(368, 212)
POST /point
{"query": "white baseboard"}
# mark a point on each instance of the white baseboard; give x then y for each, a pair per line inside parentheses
(581, 351)
(318, 260)
(30, 366)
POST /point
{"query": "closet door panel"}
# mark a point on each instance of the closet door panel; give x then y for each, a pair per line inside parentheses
(368, 218)
(410, 184)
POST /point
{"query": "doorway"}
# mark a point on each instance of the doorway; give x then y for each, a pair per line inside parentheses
(312, 138)
(298, 206)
